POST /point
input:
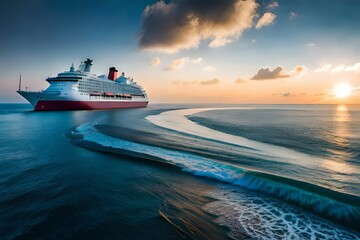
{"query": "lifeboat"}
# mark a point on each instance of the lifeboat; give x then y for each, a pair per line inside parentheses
(109, 94)
(95, 93)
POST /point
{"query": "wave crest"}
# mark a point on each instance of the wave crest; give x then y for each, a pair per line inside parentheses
(339, 207)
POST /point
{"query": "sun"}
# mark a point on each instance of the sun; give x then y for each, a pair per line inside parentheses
(342, 90)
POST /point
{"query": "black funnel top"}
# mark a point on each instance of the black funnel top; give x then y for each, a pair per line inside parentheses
(88, 64)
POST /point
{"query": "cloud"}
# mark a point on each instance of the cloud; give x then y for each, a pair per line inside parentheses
(183, 24)
(239, 80)
(267, 19)
(320, 94)
(210, 82)
(298, 71)
(220, 42)
(339, 68)
(253, 41)
(267, 74)
(311, 44)
(206, 82)
(273, 4)
(155, 61)
(278, 72)
(287, 94)
(208, 69)
(181, 62)
(324, 68)
(353, 68)
(178, 63)
(184, 82)
(293, 15)
(196, 60)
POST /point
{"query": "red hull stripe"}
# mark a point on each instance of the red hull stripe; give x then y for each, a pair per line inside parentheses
(85, 105)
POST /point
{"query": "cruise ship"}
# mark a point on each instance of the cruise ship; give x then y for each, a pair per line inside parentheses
(81, 90)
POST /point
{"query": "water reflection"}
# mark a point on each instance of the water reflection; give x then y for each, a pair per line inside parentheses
(339, 167)
(341, 131)
(342, 114)
(339, 135)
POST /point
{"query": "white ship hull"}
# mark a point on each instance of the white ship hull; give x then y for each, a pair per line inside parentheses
(43, 101)
(80, 90)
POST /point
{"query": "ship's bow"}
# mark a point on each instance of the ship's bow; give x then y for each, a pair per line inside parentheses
(31, 97)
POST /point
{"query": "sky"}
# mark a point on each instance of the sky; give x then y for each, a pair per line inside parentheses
(190, 51)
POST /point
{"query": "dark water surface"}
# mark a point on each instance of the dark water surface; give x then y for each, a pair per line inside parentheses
(116, 175)
(53, 189)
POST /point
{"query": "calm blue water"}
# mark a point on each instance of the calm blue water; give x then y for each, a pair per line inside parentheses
(116, 175)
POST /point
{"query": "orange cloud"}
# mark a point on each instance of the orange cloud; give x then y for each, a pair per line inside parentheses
(210, 82)
(206, 82)
(239, 80)
(278, 72)
(267, 19)
(181, 62)
(155, 61)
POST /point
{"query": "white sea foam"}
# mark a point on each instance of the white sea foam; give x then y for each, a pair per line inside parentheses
(188, 162)
(262, 217)
(257, 216)
(176, 120)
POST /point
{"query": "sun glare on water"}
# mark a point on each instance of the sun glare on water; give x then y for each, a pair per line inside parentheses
(342, 90)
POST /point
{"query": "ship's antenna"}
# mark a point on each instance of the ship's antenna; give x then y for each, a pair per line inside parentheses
(20, 83)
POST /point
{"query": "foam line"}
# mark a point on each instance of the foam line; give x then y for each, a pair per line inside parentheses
(341, 212)
(176, 120)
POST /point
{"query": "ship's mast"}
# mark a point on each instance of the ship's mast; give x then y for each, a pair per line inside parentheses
(20, 83)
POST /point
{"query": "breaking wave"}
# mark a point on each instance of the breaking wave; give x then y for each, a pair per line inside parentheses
(253, 216)
(339, 207)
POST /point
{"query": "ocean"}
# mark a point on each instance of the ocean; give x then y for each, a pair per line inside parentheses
(181, 171)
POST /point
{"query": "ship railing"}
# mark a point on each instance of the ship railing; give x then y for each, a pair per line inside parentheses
(111, 97)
